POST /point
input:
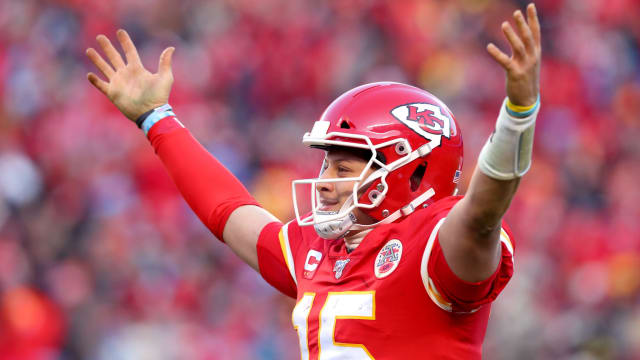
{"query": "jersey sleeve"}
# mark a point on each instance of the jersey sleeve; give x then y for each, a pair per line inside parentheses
(276, 257)
(450, 292)
(196, 172)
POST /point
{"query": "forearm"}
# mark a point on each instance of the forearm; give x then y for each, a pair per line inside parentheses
(470, 237)
(208, 187)
(485, 203)
(504, 159)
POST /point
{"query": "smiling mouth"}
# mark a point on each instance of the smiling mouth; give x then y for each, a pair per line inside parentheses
(326, 205)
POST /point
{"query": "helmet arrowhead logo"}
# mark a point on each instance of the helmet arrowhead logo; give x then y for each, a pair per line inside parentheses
(428, 120)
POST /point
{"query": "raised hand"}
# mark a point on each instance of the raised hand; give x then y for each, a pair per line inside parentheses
(523, 67)
(129, 86)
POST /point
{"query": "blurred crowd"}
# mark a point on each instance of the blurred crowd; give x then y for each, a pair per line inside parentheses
(100, 258)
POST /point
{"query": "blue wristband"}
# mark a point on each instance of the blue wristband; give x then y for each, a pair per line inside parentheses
(158, 114)
(524, 114)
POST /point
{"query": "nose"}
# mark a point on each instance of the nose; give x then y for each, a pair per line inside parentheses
(324, 186)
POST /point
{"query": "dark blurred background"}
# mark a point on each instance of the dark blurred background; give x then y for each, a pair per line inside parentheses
(100, 258)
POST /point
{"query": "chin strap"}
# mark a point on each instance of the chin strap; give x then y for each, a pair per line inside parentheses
(404, 211)
(337, 229)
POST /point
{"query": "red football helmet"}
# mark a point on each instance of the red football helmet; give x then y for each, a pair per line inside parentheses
(414, 141)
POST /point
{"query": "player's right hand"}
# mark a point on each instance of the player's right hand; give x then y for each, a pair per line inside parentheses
(129, 86)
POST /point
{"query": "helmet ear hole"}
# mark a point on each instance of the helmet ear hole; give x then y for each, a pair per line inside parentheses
(345, 124)
(416, 177)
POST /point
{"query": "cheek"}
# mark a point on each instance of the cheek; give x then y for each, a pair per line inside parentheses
(344, 190)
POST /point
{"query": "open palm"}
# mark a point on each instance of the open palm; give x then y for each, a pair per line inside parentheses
(523, 66)
(129, 86)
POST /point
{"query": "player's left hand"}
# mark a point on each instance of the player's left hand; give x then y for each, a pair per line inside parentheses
(523, 67)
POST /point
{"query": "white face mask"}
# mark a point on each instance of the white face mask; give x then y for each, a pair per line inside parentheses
(335, 224)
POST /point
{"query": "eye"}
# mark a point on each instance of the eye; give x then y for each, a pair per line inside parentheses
(344, 171)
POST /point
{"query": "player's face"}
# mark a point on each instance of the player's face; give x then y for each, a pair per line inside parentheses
(341, 164)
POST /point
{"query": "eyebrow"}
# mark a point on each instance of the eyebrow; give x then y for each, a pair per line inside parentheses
(343, 159)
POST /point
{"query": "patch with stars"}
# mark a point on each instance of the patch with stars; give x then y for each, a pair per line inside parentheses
(388, 258)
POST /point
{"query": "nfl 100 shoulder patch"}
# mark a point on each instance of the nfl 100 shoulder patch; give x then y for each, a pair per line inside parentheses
(388, 258)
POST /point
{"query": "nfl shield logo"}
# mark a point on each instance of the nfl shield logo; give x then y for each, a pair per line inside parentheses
(339, 266)
(388, 258)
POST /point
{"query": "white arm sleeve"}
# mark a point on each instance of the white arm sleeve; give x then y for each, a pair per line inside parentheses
(507, 153)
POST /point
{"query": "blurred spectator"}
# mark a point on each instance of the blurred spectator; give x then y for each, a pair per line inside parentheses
(100, 258)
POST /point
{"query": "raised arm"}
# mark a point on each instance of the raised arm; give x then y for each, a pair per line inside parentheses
(470, 235)
(215, 195)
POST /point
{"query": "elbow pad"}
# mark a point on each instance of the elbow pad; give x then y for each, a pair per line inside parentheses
(507, 153)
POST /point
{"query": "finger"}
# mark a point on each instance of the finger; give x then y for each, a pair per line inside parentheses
(99, 62)
(534, 23)
(99, 84)
(524, 30)
(502, 58)
(112, 54)
(130, 51)
(514, 39)
(164, 64)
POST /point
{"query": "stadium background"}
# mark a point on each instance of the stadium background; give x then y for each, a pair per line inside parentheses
(100, 258)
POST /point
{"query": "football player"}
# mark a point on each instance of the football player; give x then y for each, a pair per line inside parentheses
(388, 263)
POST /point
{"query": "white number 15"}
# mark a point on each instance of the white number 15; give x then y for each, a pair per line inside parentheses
(338, 305)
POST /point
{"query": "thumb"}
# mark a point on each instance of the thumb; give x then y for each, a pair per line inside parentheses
(164, 64)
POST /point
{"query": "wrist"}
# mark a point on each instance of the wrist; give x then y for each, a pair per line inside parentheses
(151, 117)
(507, 153)
(520, 111)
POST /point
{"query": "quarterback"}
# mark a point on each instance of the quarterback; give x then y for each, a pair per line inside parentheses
(388, 263)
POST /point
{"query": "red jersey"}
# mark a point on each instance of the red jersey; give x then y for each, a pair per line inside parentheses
(393, 297)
